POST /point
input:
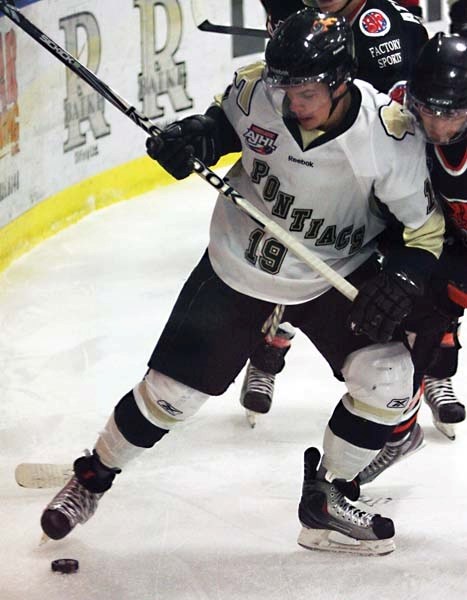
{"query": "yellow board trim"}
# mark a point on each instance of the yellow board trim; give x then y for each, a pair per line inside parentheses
(72, 204)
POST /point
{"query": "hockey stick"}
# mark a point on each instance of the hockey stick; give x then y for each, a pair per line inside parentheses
(38, 476)
(206, 25)
(199, 12)
(310, 259)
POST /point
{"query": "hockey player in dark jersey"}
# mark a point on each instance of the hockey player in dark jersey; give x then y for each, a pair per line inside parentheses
(436, 95)
(297, 120)
(387, 36)
(387, 41)
(458, 17)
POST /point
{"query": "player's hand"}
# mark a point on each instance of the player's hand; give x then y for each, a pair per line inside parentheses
(382, 304)
(181, 142)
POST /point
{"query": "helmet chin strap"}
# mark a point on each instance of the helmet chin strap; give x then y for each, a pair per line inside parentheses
(335, 101)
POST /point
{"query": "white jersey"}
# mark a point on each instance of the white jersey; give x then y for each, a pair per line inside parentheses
(324, 195)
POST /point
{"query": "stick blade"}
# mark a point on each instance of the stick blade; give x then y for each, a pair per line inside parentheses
(42, 475)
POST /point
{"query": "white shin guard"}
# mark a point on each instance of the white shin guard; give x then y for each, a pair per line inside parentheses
(113, 449)
(342, 459)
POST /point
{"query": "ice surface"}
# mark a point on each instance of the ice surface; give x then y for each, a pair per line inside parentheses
(210, 513)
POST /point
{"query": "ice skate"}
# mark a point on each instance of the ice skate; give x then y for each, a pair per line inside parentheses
(258, 385)
(77, 501)
(257, 392)
(391, 453)
(330, 522)
(445, 407)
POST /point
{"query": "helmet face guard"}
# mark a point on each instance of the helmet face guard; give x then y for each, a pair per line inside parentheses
(437, 91)
(442, 126)
(301, 92)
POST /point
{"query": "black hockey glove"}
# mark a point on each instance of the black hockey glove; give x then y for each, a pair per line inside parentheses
(180, 143)
(382, 303)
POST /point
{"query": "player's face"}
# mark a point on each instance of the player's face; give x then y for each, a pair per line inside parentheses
(310, 103)
(440, 129)
(331, 5)
(335, 6)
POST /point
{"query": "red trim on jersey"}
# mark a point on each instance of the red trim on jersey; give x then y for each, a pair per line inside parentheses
(448, 340)
(406, 425)
(452, 169)
(457, 295)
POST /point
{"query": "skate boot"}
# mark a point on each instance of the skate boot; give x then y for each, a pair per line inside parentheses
(77, 501)
(257, 390)
(258, 384)
(391, 453)
(445, 407)
(330, 522)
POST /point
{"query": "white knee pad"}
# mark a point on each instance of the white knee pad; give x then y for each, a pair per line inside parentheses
(379, 379)
(165, 402)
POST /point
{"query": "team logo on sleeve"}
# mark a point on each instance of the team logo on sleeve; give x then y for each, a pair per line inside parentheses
(260, 140)
(323, 24)
(397, 122)
(374, 23)
(458, 212)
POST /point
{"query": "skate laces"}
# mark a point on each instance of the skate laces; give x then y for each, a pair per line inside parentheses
(260, 381)
(439, 391)
(348, 511)
(383, 459)
(75, 502)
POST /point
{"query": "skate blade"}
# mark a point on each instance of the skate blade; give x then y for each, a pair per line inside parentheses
(447, 429)
(333, 541)
(251, 418)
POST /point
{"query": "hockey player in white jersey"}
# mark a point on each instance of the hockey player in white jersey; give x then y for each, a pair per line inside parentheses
(387, 40)
(299, 120)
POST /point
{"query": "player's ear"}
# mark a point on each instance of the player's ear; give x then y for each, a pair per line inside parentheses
(340, 90)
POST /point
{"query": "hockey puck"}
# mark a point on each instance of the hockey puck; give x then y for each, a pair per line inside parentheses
(65, 565)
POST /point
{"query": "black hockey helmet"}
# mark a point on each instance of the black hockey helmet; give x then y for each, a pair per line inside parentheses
(311, 46)
(438, 85)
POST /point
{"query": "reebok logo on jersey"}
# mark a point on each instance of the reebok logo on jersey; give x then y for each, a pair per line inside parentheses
(260, 140)
(374, 23)
(300, 161)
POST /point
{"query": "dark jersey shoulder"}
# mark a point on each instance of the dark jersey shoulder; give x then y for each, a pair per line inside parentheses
(387, 40)
(279, 10)
(448, 170)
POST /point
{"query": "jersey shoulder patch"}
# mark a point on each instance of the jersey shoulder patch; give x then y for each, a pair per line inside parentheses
(374, 23)
(245, 82)
(397, 123)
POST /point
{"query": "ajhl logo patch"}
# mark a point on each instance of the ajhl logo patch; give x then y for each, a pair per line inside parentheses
(260, 140)
(374, 23)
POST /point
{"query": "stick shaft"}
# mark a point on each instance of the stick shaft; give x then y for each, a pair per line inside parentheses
(313, 261)
(206, 25)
